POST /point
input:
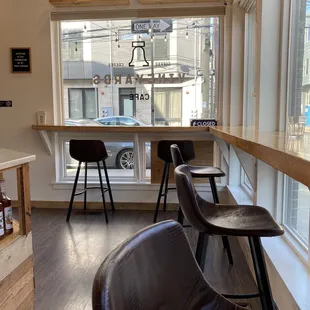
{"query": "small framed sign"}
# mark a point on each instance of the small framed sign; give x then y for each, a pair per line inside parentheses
(5, 103)
(198, 122)
(21, 60)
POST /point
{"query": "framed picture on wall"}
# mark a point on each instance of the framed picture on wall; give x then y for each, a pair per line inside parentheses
(21, 60)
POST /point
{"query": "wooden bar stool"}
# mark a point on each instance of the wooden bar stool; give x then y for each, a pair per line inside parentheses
(163, 152)
(229, 220)
(202, 172)
(90, 151)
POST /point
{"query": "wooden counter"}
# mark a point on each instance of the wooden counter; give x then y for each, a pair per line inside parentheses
(120, 129)
(286, 154)
(16, 254)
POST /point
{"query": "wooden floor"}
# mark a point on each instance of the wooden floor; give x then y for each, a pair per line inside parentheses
(67, 256)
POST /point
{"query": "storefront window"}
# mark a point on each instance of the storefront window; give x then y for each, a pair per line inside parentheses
(297, 207)
(140, 72)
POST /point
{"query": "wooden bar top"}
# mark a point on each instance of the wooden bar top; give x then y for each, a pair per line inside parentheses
(10, 158)
(286, 154)
(120, 129)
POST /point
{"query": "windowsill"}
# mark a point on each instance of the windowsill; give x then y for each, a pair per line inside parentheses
(289, 266)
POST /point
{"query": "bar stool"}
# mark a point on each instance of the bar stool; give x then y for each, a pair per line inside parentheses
(90, 151)
(163, 152)
(202, 172)
(155, 269)
(229, 220)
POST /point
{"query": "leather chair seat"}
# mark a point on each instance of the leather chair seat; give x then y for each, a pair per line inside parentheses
(239, 220)
(205, 172)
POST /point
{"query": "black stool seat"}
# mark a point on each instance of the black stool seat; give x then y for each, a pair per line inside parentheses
(238, 220)
(205, 172)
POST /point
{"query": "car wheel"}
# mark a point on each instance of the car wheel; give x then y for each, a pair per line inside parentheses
(125, 159)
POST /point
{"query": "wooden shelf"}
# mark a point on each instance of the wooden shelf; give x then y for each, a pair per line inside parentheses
(9, 239)
(120, 129)
(87, 3)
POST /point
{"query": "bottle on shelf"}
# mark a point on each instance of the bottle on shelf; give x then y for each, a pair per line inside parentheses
(1, 222)
(7, 208)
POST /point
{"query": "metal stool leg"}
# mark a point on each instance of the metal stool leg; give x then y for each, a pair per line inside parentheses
(73, 192)
(85, 186)
(201, 250)
(261, 274)
(102, 192)
(160, 191)
(108, 185)
(225, 240)
(166, 187)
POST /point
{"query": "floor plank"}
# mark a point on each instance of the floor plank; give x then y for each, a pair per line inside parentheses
(67, 256)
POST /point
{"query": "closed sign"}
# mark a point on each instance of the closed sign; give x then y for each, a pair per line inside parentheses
(203, 122)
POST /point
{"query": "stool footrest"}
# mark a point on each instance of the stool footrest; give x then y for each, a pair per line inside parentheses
(90, 187)
(241, 296)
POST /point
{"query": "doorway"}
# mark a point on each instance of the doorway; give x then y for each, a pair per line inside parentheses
(127, 106)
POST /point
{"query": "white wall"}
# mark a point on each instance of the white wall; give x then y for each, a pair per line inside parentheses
(26, 24)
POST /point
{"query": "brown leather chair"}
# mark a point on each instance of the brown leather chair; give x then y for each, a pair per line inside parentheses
(228, 220)
(89, 151)
(201, 172)
(155, 269)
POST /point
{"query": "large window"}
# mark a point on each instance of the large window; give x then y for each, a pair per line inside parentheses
(140, 68)
(297, 198)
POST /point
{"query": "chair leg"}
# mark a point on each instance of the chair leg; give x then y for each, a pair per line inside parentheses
(73, 192)
(85, 186)
(180, 216)
(108, 185)
(261, 274)
(102, 193)
(159, 193)
(225, 240)
(201, 250)
(166, 187)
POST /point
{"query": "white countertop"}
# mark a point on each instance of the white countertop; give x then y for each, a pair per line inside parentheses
(9, 158)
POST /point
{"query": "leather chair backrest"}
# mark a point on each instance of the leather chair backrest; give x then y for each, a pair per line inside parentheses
(189, 199)
(186, 148)
(176, 155)
(87, 150)
(154, 269)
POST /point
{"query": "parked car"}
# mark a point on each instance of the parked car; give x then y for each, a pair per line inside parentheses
(121, 154)
(120, 121)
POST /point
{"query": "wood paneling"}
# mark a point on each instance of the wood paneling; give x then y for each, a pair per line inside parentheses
(17, 289)
(8, 240)
(204, 157)
(215, 6)
(87, 3)
(120, 129)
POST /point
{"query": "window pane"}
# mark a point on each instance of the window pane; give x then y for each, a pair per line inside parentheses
(106, 74)
(297, 209)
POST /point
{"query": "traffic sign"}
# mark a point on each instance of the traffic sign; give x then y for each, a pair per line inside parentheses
(159, 25)
(198, 122)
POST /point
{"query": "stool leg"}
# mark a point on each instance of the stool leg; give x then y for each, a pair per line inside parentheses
(102, 193)
(85, 186)
(261, 274)
(73, 192)
(225, 240)
(108, 185)
(160, 191)
(166, 187)
(201, 250)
